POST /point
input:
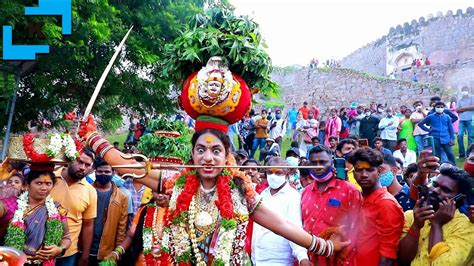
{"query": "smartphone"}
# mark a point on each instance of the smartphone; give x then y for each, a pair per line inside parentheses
(424, 191)
(428, 144)
(340, 165)
(363, 142)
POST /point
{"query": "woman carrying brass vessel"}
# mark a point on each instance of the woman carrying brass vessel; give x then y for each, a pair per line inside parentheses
(210, 207)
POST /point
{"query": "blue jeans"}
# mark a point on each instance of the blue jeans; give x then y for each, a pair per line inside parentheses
(446, 148)
(258, 142)
(419, 143)
(465, 126)
(68, 261)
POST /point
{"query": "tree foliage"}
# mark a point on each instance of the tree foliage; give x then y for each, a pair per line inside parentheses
(170, 40)
(220, 32)
(66, 77)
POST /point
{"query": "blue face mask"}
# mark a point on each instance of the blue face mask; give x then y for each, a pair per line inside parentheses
(386, 179)
(278, 116)
(103, 179)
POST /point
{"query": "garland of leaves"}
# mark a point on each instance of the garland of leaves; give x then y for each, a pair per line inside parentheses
(16, 236)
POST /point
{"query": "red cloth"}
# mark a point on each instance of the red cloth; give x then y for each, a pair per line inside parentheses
(320, 211)
(315, 112)
(381, 225)
(304, 111)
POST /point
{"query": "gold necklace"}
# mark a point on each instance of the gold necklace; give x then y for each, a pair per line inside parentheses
(206, 216)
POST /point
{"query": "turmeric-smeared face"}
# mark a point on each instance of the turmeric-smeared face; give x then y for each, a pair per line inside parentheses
(209, 151)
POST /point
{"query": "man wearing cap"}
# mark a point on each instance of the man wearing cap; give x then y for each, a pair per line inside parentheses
(440, 127)
(241, 157)
(271, 149)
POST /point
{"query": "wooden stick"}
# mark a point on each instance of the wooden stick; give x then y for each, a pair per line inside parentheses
(174, 166)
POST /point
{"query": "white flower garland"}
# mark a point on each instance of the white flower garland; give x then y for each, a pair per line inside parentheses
(22, 206)
(69, 147)
(59, 140)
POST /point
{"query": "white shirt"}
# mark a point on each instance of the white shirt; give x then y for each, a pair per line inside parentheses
(409, 158)
(389, 127)
(269, 248)
(279, 130)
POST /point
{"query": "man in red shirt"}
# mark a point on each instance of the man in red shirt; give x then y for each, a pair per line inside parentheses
(328, 203)
(381, 217)
(304, 110)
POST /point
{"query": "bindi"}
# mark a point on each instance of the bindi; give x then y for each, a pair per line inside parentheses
(209, 139)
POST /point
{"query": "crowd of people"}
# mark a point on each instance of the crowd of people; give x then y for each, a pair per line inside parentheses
(393, 201)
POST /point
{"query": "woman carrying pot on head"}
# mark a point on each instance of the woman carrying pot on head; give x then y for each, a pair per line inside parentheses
(210, 205)
(38, 225)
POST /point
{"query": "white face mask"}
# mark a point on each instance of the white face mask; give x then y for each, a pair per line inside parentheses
(292, 161)
(464, 93)
(439, 110)
(275, 181)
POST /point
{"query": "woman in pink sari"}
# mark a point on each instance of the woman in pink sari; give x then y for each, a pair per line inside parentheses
(333, 126)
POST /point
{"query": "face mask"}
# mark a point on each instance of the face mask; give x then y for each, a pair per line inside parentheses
(324, 177)
(292, 161)
(103, 179)
(386, 179)
(367, 114)
(278, 116)
(269, 117)
(439, 110)
(119, 182)
(275, 181)
(380, 110)
(418, 108)
(389, 114)
(464, 93)
(347, 156)
(469, 167)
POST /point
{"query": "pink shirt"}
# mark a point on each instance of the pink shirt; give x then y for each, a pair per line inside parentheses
(333, 128)
(418, 130)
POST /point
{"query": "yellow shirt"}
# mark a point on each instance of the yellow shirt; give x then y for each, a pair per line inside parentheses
(457, 247)
(80, 201)
(351, 179)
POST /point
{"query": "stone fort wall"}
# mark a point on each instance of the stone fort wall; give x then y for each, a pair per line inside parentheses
(338, 87)
(444, 39)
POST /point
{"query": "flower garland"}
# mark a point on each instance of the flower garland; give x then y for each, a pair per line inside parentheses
(57, 141)
(147, 236)
(16, 236)
(183, 212)
(30, 151)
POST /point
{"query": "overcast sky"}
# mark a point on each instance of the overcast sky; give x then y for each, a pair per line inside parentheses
(295, 31)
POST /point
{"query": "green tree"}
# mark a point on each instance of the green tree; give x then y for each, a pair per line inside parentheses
(65, 78)
(220, 32)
